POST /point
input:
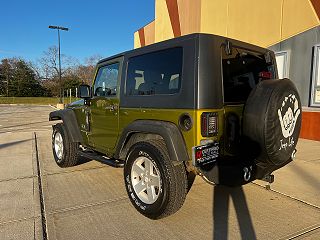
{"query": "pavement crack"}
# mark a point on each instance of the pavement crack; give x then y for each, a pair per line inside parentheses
(17, 178)
(77, 207)
(72, 171)
(19, 220)
(41, 193)
(301, 233)
(289, 196)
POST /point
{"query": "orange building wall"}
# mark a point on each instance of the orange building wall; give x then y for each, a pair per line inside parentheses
(310, 126)
(260, 22)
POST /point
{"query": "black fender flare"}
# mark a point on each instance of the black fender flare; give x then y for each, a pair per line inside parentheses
(70, 122)
(168, 131)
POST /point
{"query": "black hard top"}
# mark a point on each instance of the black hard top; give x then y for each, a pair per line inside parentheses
(202, 77)
(189, 37)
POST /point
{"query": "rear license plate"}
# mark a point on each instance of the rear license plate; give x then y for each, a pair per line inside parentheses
(205, 154)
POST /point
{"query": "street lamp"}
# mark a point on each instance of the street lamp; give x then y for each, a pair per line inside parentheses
(63, 29)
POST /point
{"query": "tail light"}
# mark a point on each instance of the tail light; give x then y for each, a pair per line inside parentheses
(265, 75)
(209, 124)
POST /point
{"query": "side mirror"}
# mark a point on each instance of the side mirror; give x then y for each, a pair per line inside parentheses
(84, 91)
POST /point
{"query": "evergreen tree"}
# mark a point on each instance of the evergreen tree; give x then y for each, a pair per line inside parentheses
(18, 79)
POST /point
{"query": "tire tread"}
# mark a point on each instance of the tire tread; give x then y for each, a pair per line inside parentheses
(70, 155)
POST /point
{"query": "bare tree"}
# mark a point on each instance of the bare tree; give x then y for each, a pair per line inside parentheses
(93, 60)
(49, 63)
(48, 68)
(86, 72)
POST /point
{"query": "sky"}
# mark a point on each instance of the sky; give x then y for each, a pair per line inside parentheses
(95, 27)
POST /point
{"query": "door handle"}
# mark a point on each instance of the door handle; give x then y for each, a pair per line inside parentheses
(111, 108)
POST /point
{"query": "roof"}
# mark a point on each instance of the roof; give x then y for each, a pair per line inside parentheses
(175, 41)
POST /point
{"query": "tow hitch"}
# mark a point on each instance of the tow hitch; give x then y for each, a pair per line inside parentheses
(269, 179)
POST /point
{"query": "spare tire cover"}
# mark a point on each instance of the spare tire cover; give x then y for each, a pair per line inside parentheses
(272, 119)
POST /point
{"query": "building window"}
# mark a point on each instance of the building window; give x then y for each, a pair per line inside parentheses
(282, 59)
(315, 89)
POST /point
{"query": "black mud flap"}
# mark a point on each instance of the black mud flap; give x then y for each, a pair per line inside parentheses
(229, 171)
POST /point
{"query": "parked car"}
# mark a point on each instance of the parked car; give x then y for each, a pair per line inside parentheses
(195, 105)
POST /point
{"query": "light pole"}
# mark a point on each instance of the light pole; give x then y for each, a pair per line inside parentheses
(60, 81)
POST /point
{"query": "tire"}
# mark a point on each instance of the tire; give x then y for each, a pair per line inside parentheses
(65, 152)
(272, 121)
(164, 191)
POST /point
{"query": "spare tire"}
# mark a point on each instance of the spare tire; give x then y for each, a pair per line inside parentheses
(272, 121)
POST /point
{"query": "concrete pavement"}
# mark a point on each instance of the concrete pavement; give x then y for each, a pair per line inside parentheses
(19, 193)
(89, 201)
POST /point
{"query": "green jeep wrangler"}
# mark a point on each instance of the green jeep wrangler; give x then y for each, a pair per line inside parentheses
(195, 105)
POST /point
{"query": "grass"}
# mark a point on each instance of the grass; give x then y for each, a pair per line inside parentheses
(34, 100)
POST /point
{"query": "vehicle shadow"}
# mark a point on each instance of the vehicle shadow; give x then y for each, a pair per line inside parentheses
(24, 124)
(4, 145)
(83, 160)
(222, 196)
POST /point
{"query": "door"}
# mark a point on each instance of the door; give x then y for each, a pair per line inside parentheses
(105, 106)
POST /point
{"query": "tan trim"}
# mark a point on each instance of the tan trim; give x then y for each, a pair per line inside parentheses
(281, 19)
(173, 10)
(310, 109)
(137, 43)
(227, 23)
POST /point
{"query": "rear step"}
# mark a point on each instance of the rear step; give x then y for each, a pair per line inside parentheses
(117, 163)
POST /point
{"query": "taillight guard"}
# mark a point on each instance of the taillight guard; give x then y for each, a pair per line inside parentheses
(209, 124)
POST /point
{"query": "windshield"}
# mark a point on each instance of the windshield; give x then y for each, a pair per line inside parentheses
(242, 71)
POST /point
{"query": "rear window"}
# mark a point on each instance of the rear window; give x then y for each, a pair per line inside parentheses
(242, 71)
(155, 73)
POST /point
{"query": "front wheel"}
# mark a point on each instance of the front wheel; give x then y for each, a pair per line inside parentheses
(64, 151)
(156, 186)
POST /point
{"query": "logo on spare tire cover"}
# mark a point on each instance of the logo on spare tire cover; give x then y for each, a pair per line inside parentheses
(288, 115)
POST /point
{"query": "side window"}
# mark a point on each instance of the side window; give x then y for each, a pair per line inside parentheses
(155, 73)
(106, 80)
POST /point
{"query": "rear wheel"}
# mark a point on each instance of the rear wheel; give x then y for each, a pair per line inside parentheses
(156, 186)
(65, 152)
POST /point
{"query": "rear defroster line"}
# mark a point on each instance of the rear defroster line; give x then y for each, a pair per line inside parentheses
(41, 194)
